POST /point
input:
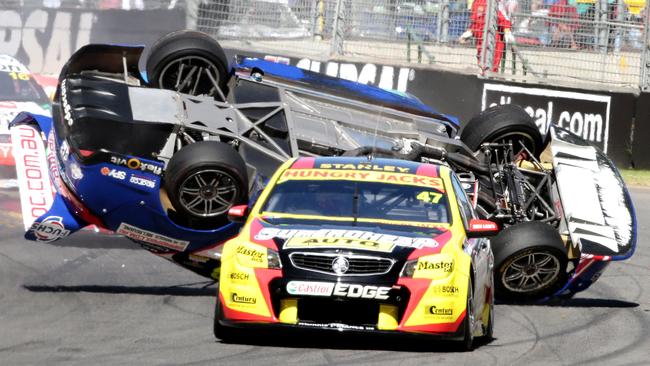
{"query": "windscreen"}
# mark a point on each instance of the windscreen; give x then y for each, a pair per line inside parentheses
(19, 87)
(370, 201)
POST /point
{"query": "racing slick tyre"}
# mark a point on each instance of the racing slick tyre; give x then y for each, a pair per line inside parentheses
(468, 323)
(530, 262)
(488, 331)
(503, 123)
(203, 180)
(189, 62)
(225, 334)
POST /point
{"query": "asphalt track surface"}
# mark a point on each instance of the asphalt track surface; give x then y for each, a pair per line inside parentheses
(94, 300)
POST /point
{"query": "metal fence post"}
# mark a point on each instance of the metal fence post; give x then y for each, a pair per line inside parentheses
(645, 55)
(620, 18)
(443, 21)
(602, 26)
(486, 57)
(314, 16)
(336, 48)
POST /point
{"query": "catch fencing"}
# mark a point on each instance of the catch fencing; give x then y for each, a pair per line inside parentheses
(586, 41)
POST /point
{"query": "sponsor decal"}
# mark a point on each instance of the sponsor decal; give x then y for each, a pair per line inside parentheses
(51, 159)
(336, 326)
(138, 234)
(5, 151)
(64, 151)
(67, 110)
(386, 77)
(238, 276)
(278, 59)
(429, 197)
(142, 181)
(365, 176)
(113, 173)
(449, 290)
(8, 183)
(310, 288)
(75, 171)
(346, 238)
(361, 291)
(339, 243)
(50, 229)
(31, 167)
(434, 310)
(136, 164)
(254, 254)
(367, 166)
(10, 66)
(586, 115)
(424, 265)
(156, 249)
(198, 258)
(242, 299)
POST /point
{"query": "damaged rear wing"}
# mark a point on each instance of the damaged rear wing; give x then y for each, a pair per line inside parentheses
(596, 204)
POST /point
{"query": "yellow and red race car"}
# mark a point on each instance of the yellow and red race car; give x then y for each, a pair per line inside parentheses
(379, 245)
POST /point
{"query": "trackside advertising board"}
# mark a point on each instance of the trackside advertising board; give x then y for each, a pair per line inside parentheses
(585, 114)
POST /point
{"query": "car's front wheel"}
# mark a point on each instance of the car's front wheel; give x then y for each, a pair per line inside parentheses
(221, 332)
(203, 181)
(531, 262)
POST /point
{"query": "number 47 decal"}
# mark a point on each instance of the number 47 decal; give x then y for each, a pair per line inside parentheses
(429, 197)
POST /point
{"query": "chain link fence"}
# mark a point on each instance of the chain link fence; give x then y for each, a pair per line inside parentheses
(590, 41)
(598, 41)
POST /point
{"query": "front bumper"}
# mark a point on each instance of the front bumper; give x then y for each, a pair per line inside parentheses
(337, 328)
(257, 297)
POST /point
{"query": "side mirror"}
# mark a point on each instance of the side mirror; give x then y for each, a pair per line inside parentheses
(238, 214)
(482, 228)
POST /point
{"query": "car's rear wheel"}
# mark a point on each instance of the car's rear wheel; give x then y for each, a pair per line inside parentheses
(468, 323)
(503, 124)
(531, 261)
(203, 181)
(189, 62)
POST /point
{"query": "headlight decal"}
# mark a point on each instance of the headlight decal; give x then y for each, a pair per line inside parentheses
(441, 239)
(255, 227)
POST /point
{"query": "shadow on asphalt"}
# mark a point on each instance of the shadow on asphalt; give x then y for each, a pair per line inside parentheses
(579, 303)
(349, 340)
(592, 303)
(136, 290)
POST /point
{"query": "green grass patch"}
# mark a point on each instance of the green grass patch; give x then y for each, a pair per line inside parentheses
(634, 177)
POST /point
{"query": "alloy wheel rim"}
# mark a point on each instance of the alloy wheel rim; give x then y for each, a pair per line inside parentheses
(531, 271)
(194, 75)
(208, 193)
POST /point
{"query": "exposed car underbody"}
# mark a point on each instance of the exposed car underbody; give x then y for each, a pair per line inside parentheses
(269, 113)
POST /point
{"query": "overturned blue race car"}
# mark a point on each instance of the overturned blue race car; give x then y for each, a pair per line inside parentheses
(161, 157)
